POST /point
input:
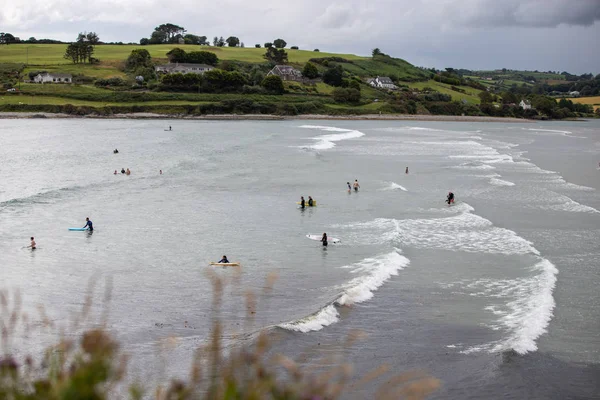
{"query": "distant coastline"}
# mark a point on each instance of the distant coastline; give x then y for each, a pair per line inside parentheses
(271, 117)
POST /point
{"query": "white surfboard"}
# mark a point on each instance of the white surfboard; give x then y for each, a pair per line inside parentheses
(318, 238)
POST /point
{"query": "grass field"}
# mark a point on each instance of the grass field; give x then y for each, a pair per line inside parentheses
(53, 100)
(52, 54)
(594, 101)
(471, 95)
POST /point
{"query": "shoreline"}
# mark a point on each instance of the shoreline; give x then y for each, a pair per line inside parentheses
(268, 117)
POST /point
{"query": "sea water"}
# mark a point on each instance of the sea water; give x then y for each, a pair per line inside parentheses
(495, 295)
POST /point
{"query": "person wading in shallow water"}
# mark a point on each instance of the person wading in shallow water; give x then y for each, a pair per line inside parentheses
(356, 185)
(33, 245)
(406, 172)
(324, 239)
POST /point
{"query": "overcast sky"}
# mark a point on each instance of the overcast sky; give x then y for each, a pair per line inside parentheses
(555, 35)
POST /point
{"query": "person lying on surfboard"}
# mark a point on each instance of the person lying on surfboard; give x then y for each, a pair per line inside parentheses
(224, 260)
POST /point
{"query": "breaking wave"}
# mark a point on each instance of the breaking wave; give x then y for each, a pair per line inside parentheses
(326, 142)
(372, 273)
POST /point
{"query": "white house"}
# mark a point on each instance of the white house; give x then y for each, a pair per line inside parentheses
(183, 68)
(525, 104)
(574, 93)
(286, 73)
(51, 77)
(382, 82)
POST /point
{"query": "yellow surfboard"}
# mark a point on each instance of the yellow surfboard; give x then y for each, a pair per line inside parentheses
(233, 264)
(306, 203)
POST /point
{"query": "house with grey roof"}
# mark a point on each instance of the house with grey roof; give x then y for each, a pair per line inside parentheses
(286, 73)
(382, 82)
(183, 68)
(52, 77)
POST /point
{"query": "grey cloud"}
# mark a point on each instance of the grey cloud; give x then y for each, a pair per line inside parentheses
(525, 13)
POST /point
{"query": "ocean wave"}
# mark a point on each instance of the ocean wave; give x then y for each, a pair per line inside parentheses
(526, 314)
(394, 186)
(500, 182)
(372, 273)
(326, 142)
(462, 232)
(41, 197)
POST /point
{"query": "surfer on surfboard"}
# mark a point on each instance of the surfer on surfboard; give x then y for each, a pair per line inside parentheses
(224, 260)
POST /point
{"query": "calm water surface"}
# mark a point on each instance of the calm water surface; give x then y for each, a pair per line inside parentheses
(495, 295)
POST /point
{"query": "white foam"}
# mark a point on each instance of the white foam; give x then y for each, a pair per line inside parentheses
(325, 142)
(394, 186)
(372, 273)
(526, 316)
(550, 131)
(565, 203)
(314, 322)
(501, 182)
(474, 165)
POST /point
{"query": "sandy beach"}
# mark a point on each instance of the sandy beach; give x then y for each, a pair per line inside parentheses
(270, 117)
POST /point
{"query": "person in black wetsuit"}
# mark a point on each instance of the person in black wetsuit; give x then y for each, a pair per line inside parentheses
(88, 224)
(122, 170)
(224, 260)
(310, 201)
(302, 203)
(450, 198)
(324, 239)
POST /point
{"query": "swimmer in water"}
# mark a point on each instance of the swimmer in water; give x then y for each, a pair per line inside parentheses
(33, 245)
(356, 185)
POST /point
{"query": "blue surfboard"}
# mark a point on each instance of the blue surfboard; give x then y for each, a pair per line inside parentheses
(78, 229)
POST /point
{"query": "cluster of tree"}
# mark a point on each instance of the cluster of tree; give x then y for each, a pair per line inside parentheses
(33, 40)
(81, 51)
(165, 33)
(231, 41)
(276, 55)
(277, 43)
(8, 38)
(178, 55)
(219, 81)
(346, 95)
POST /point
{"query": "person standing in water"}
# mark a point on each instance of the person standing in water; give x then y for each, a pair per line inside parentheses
(302, 203)
(406, 172)
(33, 244)
(450, 198)
(310, 201)
(122, 170)
(115, 172)
(128, 172)
(324, 239)
(356, 185)
(349, 187)
(169, 127)
(160, 171)
(88, 224)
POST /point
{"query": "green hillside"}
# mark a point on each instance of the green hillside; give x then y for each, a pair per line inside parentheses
(49, 57)
(92, 92)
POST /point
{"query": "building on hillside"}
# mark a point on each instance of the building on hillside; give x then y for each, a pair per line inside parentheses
(183, 68)
(286, 73)
(51, 77)
(382, 82)
(525, 104)
(574, 93)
